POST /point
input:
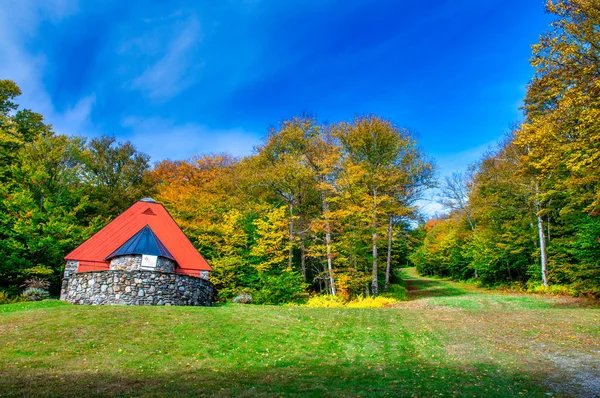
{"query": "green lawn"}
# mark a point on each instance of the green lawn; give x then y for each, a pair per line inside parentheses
(449, 339)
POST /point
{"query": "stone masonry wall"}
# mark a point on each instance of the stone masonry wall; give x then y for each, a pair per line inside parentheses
(132, 262)
(137, 288)
(70, 269)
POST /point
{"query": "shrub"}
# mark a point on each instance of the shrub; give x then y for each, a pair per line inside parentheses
(35, 294)
(5, 298)
(371, 302)
(359, 302)
(243, 298)
(287, 287)
(326, 301)
(396, 292)
(35, 282)
(555, 290)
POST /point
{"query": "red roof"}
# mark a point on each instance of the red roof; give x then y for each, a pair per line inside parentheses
(92, 253)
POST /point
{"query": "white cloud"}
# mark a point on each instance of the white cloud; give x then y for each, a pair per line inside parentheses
(177, 68)
(19, 23)
(164, 139)
(76, 119)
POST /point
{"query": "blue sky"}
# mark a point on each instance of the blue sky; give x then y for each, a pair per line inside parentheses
(180, 78)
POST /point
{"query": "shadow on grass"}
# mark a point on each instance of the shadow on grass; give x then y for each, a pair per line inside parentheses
(416, 378)
(423, 288)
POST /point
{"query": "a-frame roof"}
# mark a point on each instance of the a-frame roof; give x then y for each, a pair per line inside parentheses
(143, 242)
(96, 249)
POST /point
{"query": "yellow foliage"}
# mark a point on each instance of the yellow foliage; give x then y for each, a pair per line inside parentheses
(272, 244)
(326, 301)
(371, 302)
(359, 302)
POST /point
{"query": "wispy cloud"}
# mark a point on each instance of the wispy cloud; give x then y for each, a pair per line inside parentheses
(18, 25)
(176, 67)
(76, 119)
(165, 139)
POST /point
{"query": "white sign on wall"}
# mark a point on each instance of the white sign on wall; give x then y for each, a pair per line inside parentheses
(149, 261)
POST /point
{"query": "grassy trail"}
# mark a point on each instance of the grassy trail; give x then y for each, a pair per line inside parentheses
(449, 339)
(424, 292)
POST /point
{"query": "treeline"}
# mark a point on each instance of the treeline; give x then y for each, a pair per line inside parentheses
(55, 191)
(529, 211)
(316, 208)
(321, 208)
(328, 208)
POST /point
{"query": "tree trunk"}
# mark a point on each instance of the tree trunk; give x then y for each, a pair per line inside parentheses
(388, 264)
(303, 258)
(328, 242)
(302, 251)
(291, 250)
(470, 221)
(542, 238)
(375, 283)
(543, 256)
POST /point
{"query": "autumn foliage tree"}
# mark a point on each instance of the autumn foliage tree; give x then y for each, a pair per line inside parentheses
(533, 204)
(51, 195)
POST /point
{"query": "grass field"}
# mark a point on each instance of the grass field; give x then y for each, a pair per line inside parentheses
(448, 339)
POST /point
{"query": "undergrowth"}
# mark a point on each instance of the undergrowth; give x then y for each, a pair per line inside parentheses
(392, 295)
(5, 298)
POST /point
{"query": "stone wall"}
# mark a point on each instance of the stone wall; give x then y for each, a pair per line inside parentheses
(132, 262)
(70, 269)
(137, 288)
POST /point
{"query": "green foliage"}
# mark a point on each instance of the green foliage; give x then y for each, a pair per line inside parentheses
(6, 298)
(118, 174)
(55, 191)
(441, 253)
(533, 204)
(555, 290)
(396, 292)
(36, 289)
(35, 294)
(286, 287)
(314, 209)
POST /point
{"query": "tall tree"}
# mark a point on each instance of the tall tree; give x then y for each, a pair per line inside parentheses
(386, 161)
(41, 195)
(561, 133)
(285, 172)
(117, 175)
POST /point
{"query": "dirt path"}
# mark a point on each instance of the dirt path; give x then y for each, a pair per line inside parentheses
(552, 334)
